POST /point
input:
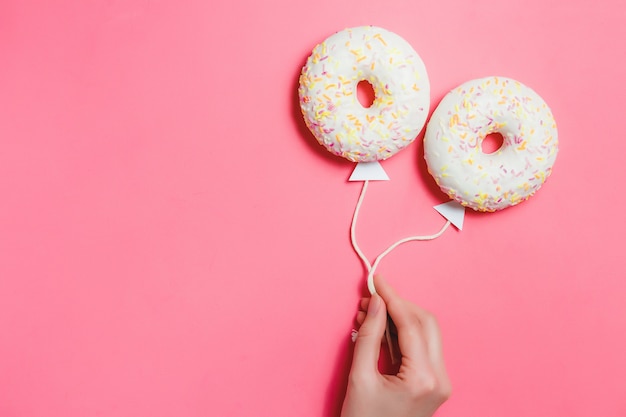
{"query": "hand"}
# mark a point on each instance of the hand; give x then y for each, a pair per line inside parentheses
(421, 384)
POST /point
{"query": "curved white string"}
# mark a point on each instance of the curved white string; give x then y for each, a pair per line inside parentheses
(356, 247)
(371, 268)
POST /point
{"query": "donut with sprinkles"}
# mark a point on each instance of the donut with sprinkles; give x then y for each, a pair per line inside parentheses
(328, 96)
(514, 172)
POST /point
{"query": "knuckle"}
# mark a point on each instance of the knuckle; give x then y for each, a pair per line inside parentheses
(395, 304)
(366, 331)
(428, 318)
(431, 318)
(445, 391)
(356, 378)
(427, 385)
(361, 380)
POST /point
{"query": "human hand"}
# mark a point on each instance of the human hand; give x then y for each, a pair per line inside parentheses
(421, 384)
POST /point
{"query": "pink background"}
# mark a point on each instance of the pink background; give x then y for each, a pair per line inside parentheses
(173, 241)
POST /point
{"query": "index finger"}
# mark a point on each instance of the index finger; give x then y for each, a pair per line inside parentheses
(411, 338)
(413, 319)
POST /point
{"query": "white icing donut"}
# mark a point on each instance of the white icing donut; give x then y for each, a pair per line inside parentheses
(508, 176)
(329, 102)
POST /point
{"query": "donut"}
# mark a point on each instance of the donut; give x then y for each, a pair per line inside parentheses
(328, 97)
(453, 143)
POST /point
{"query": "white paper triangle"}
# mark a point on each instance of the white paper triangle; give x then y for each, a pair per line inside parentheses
(452, 211)
(372, 171)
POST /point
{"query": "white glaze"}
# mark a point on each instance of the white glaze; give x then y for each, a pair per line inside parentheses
(465, 116)
(328, 97)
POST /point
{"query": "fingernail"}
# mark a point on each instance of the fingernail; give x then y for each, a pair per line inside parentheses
(374, 305)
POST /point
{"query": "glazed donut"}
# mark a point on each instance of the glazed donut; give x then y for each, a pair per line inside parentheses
(508, 176)
(328, 97)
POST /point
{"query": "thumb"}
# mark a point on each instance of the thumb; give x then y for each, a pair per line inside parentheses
(367, 347)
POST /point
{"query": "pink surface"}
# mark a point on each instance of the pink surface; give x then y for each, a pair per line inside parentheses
(173, 242)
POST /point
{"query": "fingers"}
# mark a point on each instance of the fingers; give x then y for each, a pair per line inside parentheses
(420, 344)
(418, 332)
(432, 334)
(367, 347)
(360, 316)
(410, 340)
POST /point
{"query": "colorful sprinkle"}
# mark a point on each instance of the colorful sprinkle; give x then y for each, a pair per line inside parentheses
(512, 174)
(332, 110)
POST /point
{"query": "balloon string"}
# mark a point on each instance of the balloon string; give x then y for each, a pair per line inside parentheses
(355, 245)
(371, 268)
(370, 275)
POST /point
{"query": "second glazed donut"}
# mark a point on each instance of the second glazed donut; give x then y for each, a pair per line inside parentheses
(465, 116)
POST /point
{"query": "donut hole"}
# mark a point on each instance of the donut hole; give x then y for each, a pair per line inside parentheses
(365, 93)
(492, 143)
